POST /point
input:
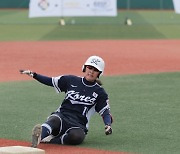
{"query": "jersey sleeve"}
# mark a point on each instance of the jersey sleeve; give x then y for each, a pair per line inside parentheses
(102, 102)
(43, 79)
(59, 83)
(104, 106)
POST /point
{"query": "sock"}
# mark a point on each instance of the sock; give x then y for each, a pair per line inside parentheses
(46, 131)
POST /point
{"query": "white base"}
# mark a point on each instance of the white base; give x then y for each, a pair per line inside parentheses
(20, 150)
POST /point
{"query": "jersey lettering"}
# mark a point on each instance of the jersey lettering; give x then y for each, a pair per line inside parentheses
(75, 97)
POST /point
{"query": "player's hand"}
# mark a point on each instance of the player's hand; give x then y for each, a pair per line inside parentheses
(28, 72)
(108, 130)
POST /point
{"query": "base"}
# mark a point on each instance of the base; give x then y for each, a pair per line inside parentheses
(20, 150)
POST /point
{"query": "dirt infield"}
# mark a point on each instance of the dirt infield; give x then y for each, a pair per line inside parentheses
(58, 149)
(66, 57)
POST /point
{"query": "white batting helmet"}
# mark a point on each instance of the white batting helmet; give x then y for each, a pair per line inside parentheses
(96, 62)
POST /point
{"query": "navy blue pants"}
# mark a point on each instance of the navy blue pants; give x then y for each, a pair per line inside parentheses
(64, 130)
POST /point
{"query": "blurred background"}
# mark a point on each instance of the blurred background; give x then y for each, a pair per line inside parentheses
(148, 19)
(121, 4)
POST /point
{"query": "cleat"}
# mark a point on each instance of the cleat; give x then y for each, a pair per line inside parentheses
(47, 139)
(36, 135)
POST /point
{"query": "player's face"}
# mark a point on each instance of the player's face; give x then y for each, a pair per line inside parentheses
(91, 73)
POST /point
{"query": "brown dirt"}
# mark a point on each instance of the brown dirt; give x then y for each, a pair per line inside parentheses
(58, 149)
(66, 57)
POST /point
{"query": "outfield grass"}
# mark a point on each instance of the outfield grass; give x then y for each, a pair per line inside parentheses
(145, 110)
(15, 25)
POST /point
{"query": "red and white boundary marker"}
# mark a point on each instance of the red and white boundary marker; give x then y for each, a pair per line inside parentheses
(20, 150)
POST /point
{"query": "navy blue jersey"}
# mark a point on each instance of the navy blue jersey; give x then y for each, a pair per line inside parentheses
(82, 98)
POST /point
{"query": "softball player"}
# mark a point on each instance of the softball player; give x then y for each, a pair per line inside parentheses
(84, 96)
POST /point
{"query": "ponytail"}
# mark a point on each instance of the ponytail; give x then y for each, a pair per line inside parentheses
(99, 82)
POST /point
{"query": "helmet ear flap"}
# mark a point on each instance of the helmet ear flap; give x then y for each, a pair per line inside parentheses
(100, 73)
(83, 68)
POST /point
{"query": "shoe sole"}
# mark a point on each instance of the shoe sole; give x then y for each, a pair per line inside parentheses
(36, 135)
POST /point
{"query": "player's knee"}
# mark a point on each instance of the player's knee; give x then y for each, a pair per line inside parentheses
(74, 136)
(54, 122)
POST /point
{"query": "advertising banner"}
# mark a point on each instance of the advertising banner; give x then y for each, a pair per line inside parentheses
(50, 8)
(176, 5)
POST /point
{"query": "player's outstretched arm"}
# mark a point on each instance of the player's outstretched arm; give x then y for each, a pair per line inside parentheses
(42, 79)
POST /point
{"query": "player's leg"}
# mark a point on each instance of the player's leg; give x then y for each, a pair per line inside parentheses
(39, 132)
(73, 136)
(52, 126)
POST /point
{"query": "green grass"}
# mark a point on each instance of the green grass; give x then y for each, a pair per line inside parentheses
(145, 110)
(15, 25)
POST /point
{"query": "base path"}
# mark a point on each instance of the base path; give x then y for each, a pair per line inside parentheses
(54, 58)
(58, 149)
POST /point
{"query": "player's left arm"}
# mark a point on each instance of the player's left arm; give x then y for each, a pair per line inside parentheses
(107, 118)
(103, 108)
